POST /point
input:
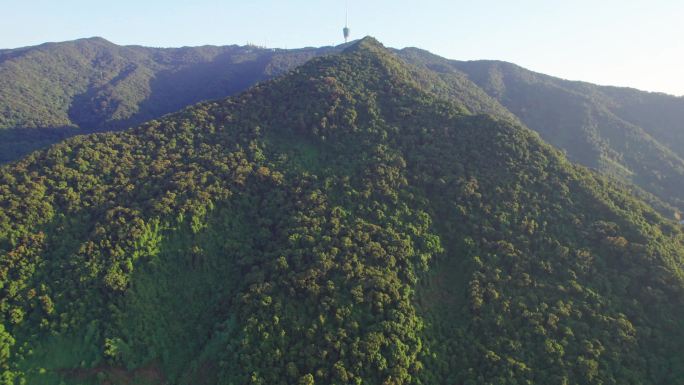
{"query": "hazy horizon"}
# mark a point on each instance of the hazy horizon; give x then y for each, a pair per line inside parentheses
(624, 44)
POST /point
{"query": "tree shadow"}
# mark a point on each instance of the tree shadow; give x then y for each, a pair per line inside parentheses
(16, 143)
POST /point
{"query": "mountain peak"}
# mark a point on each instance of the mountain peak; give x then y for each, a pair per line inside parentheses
(366, 43)
(96, 40)
(337, 225)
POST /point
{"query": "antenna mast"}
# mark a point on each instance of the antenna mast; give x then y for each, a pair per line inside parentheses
(346, 30)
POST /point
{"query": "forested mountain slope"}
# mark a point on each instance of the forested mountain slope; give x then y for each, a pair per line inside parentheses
(57, 90)
(92, 84)
(634, 135)
(338, 225)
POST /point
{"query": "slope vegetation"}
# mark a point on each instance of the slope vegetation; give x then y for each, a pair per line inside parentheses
(338, 225)
(56, 90)
(632, 135)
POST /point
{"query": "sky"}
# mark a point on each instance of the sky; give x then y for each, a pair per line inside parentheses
(630, 43)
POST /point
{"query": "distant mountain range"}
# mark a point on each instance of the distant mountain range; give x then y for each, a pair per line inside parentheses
(92, 85)
(350, 222)
(633, 135)
(56, 90)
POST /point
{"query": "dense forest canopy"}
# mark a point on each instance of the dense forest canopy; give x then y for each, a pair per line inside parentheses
(632, 135)
(57, 90)
(338, 225)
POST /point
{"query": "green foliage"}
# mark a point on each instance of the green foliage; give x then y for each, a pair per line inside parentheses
(338, 225)
(56, 90)
(632, 135)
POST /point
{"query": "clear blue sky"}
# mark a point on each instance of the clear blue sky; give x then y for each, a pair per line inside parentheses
(628, 42)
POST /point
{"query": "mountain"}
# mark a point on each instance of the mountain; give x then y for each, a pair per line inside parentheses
(55, 90)
(633, 135)
(337, 225)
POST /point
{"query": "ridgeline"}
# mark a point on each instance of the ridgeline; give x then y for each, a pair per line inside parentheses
(337, 225)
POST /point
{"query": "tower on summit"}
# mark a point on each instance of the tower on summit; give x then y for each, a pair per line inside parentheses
(346, 30)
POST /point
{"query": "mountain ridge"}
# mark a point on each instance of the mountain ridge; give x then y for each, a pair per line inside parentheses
(92, 84)
(364, 231)
(592, 124)
(633, 136)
